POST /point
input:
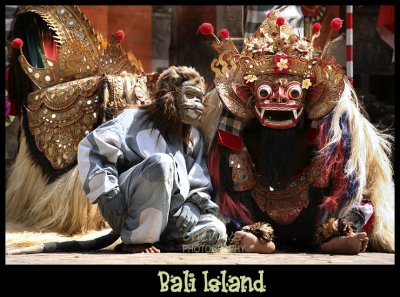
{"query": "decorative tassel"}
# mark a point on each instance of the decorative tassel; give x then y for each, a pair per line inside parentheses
(335, 24)
(207, 29)
(17, 43)
(279, 22)
(224, 33)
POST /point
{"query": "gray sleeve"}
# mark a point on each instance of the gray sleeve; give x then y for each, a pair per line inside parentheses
(98, 154)
(200, 181)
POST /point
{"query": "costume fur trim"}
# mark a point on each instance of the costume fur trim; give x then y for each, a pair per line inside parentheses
(60, 206)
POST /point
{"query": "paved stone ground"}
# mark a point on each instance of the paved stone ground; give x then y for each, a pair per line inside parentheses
(110, 257)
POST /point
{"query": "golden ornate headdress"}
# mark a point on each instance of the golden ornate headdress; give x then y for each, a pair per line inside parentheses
(81, 52)
(90, 77)
(275, 49)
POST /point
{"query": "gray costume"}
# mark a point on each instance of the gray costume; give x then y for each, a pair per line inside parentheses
(155, 177)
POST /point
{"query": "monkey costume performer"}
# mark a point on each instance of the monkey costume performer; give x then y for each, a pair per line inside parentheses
(292, 147)
(147, 171)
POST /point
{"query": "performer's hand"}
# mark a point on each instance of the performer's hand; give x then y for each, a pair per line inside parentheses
(188, 217)
(115, 206)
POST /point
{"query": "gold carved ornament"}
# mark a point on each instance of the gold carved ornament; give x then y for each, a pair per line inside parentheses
(89, 72)
(282, 205)
(258, 58)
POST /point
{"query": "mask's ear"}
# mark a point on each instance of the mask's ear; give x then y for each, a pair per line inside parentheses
(245, 93)
(322, 99)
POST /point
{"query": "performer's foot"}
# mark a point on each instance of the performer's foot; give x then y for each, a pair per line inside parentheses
(137, 248)
(353, 244)
(249, 243)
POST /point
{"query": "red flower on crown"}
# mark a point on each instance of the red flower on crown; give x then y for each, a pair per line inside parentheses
(282, 63)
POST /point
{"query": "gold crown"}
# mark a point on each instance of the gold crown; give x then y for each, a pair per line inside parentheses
(85, 86)
(276, 49)
(81, 52)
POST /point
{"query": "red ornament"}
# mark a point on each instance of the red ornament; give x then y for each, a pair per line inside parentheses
(336, 24)
(280, 21)
(17, 43)
(206, 29)
(120, 35)
(224, 33)
(316, 27)
(277, 58)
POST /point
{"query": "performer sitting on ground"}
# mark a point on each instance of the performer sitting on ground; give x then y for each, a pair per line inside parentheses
(147, 171)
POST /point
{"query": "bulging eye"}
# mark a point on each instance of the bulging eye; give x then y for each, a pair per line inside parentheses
(264, 92)
(190, 95)
(295, 92)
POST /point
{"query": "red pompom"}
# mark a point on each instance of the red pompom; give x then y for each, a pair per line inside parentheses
(120, 35)
(17, 43)
(316, 27)
(336, 24)
(206, 29)
(224, 33)
(280, 21)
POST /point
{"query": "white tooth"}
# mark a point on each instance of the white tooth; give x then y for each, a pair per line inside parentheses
(301, 110)
(262, 112)
(258, 111)
(295, 113)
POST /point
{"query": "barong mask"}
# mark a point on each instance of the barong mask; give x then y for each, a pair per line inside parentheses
(277, 77)
(278, 103)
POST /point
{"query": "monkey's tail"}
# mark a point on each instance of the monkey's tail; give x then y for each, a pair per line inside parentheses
(68, 246)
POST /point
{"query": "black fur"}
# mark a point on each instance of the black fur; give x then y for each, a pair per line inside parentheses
(277, 155)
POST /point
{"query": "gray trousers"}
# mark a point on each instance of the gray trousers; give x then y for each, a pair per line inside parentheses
(153, 201)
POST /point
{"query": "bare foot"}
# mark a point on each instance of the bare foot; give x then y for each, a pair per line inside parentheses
(137, 248)
(353, 244)
(249, 243)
